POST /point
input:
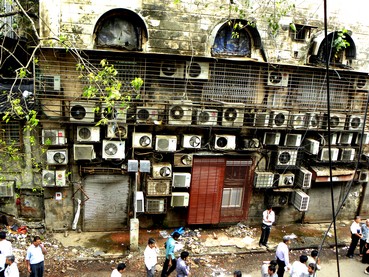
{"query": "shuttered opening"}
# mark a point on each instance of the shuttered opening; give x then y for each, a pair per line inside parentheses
(107, 206)
(206, 190)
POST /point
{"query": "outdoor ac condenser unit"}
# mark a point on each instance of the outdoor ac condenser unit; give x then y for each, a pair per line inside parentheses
(82, 112)
(53, 137)
(115, 113)
(113, 150)
(57, 156)
(180, 113)
(207, 117)
(197, 70)
(88, 134)
(116, 130)
(155, 205)
(303, 178)
(147, 114)
(158, 187)
(233, 115)
(181, 180)
(84, 152)
(300, 200)
(180, 199)
(162, 170)
(286, 179)
(166, 143)
(6, 188)
(277, 79)
(263, 179)
(191, 141)
(142, 140)
(183, 160)
(225, 142)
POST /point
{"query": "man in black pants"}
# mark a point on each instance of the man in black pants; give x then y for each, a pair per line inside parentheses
(355, 236)
(170, 259)
(282, 254)
(268, 219)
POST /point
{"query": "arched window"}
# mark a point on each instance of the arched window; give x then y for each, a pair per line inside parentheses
(122, 29)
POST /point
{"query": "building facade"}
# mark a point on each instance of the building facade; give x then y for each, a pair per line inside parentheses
(232, 115)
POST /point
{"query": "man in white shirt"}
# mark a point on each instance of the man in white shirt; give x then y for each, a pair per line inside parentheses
(268, 220)
(119, 270)
(12, 269)
(151, 257)
(299, 268)
(282, 256)
(355, 236)
(35, 258)
(5, 250)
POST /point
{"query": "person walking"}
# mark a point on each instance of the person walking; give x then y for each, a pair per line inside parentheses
(119, 270)
(35, 258)
(151, 257)
(182, 267)
(299, 268)
(265, 267)
(170, 262)
(12, 269)
(266, 226)
(282, 256)
(314, 259)
(355, 236)
(364, 232)
(5, 250)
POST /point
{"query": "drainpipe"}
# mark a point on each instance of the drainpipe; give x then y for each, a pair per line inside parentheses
(134, 225)
(27, 174)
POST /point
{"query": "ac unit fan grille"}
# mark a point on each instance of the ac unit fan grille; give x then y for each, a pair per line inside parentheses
(195, 141)
(78, 112)
(176, 112)
(110, 113)
(163, 143)
(111, 149)
(145, 141)
(143, 114)
(284, 157)
(275, 77)
(84, 133)
(335, 121)
(230, 114)
(59, 157)
(355, 122)
(279, 119)
(203, 117)
(169, 69)
(222, 142)
(49, 179)
(165, 171)
(194, 70)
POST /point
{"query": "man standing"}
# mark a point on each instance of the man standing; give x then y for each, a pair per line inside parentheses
(182, 268)
(35, 258)
(355, 236)
(364, 232)
(12, 269)
(268, 220)
(170, 260)
(282, 255)
(151, 257)
(5, 250)
(119, 270)
(299, 268)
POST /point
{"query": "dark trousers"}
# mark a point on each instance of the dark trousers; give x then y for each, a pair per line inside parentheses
(166, 271)
(265, 231)
(281, 265)
(37, 270)
(2, 273)
(353, 244)
(362, 246)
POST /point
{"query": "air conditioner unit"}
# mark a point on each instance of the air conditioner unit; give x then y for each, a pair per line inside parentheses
(113, 150)
(311, 146)
(345, 138)
(158, 187)
(337, 121)
(155, 205)
(53, 137)
(365, 138)
(277, 79)
(286, 179)
(263, 179)
(271, 138)
(251, 143)
(162, 170)
(83, 152)
(262, 119)
(363, 176)
(181, 180)
(191, 141)
(233, 115)
(347, 154)
(6, 189)
(57, 156)
(147, 114)
(293, 140)
(50, 82)
(82, 112)
(225, 142)
(140, 204)
(300, 200)
(303, 178)
(355, 122)
(172, 69)
(333, 139)
(180, 113)
(116, 112)
(313, 120)
(52, 178)
(183, 160)
(180, 199)
(166, 143)
(197, 70)
(142, 140)
(116, 130)
(324, 154)
(208, 117)
(361, 83)
(278, 119)
(278, 200)
(287, 157)
(88, 134)
(297, 120)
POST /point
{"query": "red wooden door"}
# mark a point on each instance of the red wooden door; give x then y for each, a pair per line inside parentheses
(206, 190)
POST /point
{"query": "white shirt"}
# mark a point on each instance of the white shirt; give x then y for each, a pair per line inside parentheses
(6, 250)
(151, 256)
(355, 228)
(268, 217)
(115, 273)
(264, 270)
(282, 253)
(311, 260)
(34, 254)
(299, 269)
(12, 271)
